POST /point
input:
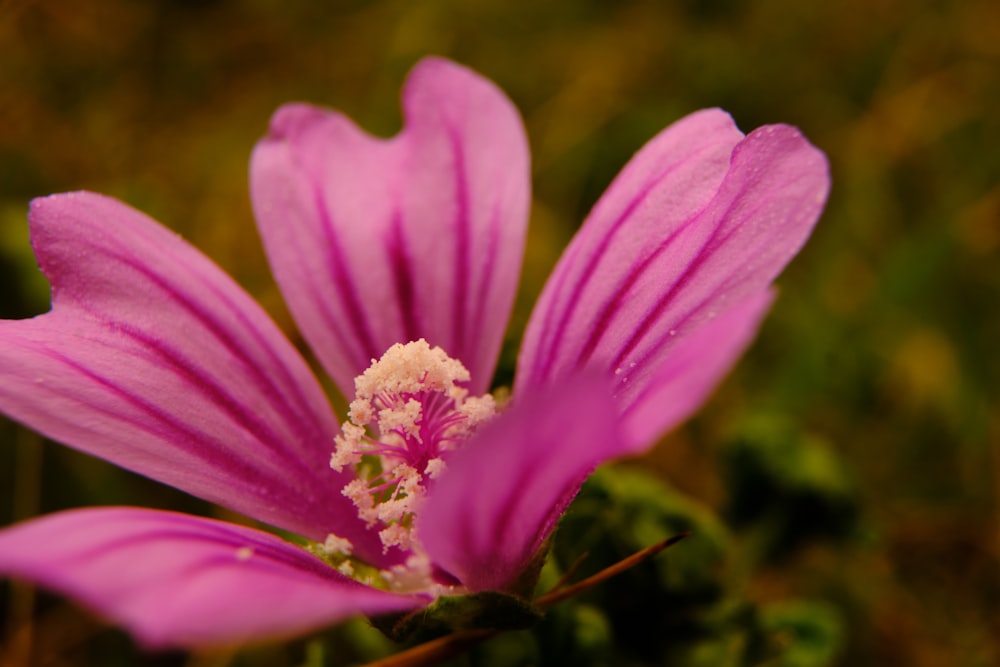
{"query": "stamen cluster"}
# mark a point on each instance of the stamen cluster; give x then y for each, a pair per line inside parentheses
(410, 409)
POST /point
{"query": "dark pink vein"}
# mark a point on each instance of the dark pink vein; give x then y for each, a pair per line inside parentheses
(552, 333)
(292, 411)
(714, 241)
(216, 395)
(337, 265)
(461, 225)
(617, 298)
(483, 300)
(275, 558)
(193, 443)
(295, 409)
(401, 265)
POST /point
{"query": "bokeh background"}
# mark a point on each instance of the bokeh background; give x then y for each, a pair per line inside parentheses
(844, 483)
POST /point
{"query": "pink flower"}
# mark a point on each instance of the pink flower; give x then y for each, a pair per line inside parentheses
(154, 359)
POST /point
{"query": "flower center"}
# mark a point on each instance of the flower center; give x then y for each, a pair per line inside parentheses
(411, 409)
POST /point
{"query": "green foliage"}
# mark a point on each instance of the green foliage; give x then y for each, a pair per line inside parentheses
(788, 482)
(620, 511)
(688, 606)
(808, 634)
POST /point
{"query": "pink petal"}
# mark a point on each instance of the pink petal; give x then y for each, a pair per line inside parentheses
(378, 241)
(501, 496)
(697, 222)
(180, 581)
(686, 377)
(154, 359)
(668, 182)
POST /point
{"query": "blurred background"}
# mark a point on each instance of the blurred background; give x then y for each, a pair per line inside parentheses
(844, 483)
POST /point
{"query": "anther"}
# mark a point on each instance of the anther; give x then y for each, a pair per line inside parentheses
(411, 409)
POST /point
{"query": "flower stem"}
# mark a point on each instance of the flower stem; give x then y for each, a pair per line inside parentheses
(437, 650)
(558, 594)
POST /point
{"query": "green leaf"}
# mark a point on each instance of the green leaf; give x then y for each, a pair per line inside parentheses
(807, 633)
(788, 481)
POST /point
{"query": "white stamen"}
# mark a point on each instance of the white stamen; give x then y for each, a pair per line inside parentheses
(415, 576)
(411, 408)
(435, 467)
(337, 546)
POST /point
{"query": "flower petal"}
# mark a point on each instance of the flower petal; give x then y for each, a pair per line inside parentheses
(668, 182)
(687, 375)
(377, 241)
(501, 496)
(154, 359)
(181, 581)
(695, 224)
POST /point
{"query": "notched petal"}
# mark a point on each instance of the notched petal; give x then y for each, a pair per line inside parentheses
(379, 241)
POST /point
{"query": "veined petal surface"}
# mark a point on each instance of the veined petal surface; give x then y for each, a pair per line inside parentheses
(686, 376)
(185, 582)
(379, 241)
(698, 221)
(152, 358)
(500, 497)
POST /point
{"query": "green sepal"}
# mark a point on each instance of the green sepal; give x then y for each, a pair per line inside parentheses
(488, 609)
(526, 582)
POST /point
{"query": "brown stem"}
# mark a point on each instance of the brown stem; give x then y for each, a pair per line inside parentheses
(433, 652)
(557, 595)
(571, 572)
